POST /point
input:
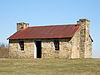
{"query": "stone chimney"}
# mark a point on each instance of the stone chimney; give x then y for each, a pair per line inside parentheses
(85, 24)
(21, 26)
(85, 28)
(84, 36)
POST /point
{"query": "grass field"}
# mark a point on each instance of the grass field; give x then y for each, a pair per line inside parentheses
(49, 67)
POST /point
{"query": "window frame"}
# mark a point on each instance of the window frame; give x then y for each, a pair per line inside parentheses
(21, 44)
(56, 45)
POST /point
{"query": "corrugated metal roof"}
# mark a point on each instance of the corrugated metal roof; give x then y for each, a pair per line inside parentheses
(42, 32)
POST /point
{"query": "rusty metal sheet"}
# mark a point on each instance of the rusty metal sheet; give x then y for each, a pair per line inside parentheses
(43, 32)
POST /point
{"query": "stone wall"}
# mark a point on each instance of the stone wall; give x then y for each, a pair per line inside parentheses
(15, 51)
(75, 45)
(67, 48)
(48, 49)
(47, 46)
(88, 50)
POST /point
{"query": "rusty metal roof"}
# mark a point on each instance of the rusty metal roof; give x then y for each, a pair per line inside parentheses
(43, 32)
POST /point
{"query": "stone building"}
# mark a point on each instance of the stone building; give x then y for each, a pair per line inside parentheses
(55, 41)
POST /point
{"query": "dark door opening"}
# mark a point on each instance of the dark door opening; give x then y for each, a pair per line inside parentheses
(38, 47)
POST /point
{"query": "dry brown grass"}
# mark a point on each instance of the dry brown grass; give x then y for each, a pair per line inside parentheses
(4, 52)
(49, 67)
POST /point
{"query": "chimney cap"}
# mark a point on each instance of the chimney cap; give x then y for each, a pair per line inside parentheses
(84, 19)
(23, 23)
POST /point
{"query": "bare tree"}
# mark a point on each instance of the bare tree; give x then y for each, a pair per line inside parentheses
(4, 51)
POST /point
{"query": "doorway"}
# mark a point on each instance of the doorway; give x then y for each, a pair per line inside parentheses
(38, 49)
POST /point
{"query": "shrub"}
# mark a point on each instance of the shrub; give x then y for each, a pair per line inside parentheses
(4, 51)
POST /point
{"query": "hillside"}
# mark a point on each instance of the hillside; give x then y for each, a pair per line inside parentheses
(49, 67)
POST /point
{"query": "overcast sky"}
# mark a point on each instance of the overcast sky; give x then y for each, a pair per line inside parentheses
(49, 12)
